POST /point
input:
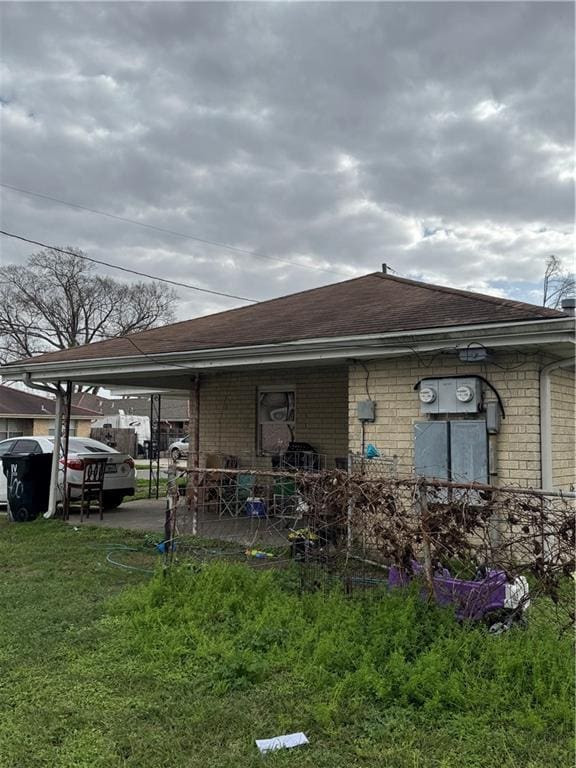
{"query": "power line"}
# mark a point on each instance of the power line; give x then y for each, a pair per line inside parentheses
(173, 232)
(126, 269)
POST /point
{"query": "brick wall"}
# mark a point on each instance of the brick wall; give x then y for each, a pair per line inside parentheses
(326, 401)
(391, 383)
(41, 427)
(83, 427)
(228, 409)
(563, 428)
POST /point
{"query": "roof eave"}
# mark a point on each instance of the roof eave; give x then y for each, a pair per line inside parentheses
(540, 332)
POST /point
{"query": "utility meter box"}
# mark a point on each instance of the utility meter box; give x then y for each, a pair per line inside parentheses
(461, 394)
(366, 410)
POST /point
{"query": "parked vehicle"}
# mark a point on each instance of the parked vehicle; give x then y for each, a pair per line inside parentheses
(178, 448)
(119, 480)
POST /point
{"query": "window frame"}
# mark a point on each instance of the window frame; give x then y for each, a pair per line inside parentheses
(265, 389)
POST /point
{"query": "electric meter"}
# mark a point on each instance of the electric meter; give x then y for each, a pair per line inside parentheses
(427, 395)
(464, 394)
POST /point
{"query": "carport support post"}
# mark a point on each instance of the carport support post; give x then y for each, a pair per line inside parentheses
(67, 412)
(193, 452)
(53, 498)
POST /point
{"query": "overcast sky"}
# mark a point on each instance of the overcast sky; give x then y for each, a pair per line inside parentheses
(436, 137)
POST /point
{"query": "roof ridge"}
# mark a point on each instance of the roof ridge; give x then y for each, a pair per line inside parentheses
(235, 309)
(499, 300)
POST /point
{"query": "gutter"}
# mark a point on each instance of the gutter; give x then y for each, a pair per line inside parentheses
(302, 350)
(546, 419)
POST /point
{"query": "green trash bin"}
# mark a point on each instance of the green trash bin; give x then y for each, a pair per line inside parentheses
(28, 484)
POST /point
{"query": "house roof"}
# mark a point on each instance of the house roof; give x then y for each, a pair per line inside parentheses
(15, 402)
(172, 409)
(102, 406)
(373, 304)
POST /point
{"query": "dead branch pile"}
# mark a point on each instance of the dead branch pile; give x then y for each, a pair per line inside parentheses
(515, 530)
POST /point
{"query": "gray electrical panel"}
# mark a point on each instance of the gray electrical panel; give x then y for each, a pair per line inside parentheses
(366, 410)
(493, 417)
(431, 449)
(452, 450)
(469, 451)
(460, 394)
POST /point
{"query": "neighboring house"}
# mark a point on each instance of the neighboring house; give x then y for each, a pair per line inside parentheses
(173, 412)
(341, 366)
(22, 413)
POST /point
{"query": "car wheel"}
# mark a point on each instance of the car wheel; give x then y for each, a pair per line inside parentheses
(175, 453)
(112, 499)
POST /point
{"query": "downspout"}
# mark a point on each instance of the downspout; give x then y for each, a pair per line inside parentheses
(546, 420)
(57, 390)
(53, 498)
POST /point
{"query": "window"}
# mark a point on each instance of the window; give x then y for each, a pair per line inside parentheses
(73, 427)
(6, 447)
(26, 446)
(276, 419)
(14, 427)
(78, 445)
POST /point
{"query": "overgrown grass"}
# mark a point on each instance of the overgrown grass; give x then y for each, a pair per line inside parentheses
(188, 669)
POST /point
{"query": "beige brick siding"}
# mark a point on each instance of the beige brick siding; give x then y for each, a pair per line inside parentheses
(41, 427)
(391, 384)
(563, 412)
(327, 397)
(83, 427)
(228, 409)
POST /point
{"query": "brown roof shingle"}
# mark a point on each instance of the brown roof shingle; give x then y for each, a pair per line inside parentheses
(16, 402)
(372, 304)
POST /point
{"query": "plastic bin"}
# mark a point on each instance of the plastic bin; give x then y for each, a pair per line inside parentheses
(28, 484)
(255, 507)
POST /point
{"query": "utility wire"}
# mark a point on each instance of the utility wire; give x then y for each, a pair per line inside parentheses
(126, 269)
(173, 232)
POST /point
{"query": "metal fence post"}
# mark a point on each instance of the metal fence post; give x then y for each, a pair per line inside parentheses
(424, 529)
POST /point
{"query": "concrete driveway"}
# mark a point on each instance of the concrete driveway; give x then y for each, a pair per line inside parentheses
(149, 515)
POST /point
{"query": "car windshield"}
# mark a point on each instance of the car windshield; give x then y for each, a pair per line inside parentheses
(86, 445)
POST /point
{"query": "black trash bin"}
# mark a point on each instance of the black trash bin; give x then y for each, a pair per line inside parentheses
(28, 484)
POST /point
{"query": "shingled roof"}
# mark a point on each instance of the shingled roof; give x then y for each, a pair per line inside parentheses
(373, 304)
(15, 402)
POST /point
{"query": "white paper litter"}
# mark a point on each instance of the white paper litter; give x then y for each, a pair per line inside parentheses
(281, 742)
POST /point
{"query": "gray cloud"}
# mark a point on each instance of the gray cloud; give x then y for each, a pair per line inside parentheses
(437, 137)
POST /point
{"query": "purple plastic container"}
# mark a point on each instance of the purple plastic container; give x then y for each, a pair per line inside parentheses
(473, 599)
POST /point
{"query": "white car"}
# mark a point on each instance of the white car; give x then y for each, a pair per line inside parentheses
(119, 480)
(178, 449)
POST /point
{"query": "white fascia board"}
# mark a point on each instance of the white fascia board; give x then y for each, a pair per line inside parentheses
(369, 346)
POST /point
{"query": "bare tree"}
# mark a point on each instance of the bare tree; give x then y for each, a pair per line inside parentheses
(57, 301)
(558, 283)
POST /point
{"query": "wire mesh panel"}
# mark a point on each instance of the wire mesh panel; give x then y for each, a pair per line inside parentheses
(380, 466)
(359, 530)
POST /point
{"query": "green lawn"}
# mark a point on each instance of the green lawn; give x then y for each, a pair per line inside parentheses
(104, 666)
